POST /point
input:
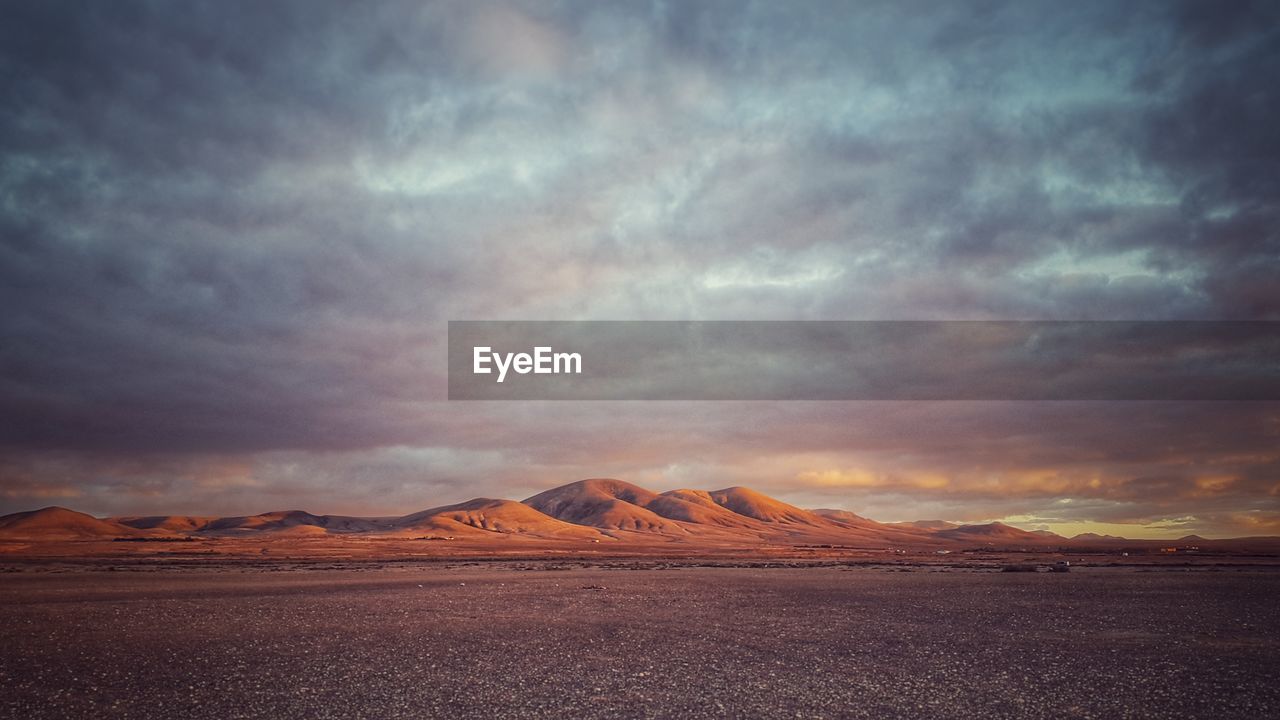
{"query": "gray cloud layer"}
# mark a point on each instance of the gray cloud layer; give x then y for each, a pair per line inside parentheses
(232, 233)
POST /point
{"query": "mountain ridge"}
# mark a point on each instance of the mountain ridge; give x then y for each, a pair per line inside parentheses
(589, 510)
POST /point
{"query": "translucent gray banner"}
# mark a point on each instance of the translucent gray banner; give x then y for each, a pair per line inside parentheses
(863, 360)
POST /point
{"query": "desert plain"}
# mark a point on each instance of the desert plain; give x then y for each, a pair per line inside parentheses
(631, 638)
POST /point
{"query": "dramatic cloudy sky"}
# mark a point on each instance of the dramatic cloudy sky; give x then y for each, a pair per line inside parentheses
(231, 236)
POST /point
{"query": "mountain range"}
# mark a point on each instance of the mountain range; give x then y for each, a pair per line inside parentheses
(594, 510)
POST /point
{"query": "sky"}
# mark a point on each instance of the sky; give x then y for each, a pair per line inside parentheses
(232, 234)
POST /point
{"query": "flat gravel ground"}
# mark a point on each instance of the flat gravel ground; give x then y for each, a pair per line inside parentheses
(495, 642)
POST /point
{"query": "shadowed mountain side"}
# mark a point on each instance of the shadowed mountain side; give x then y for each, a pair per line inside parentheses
(494, 516)
(288, 519)
(997, 532)
(57, 523)
(930, 525)
(1095, 537)
(843, 516)
(170, 523)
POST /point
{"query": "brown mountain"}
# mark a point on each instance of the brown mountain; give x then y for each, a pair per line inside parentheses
(58, 523)
(724, 515)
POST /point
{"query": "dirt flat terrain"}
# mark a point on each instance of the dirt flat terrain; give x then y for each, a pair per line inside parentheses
(497, 641)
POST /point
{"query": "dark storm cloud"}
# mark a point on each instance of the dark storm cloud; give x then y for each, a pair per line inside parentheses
(230, 229)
